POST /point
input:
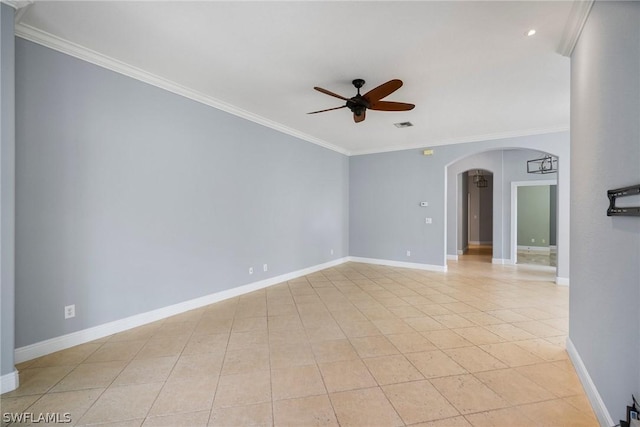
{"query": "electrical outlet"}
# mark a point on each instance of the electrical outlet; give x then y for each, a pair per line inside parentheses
(408, 253)
(70, 311)
(250, 270)
(331, 251)
(265, 267)
(428, 220)
(533, 240)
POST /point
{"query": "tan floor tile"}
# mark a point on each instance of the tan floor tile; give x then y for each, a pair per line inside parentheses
(478, 335)
(39, 380)
(129, 402)
(127, 423)
(288, 337)
(163, 346)
(285, 322)
(557, 413)
(512, 417)
(433, 364)
(513, 386)
(424, 323)
(16, 405)
(193, 419)
(447, 422)
(511, 354)
(581, 403)
(90, 375)
(392, 326)
(453, 321)
(196, 365)
(140, 333)
(212, 325)
(460, 307)
(434, 309)
(286, 355)
(243, 389)
(69, 357)
(117, 350)
(296, 381)
(199, 344)
(418, 401)
(366, 407)
(544, 349)
(539, 329)
(284, 309)
(405, 312)
(468, 394)
(346, 375)
(557, 380)
(249, 324)
(329, 333)
(411, 342)
(333, 351)
(373, 346)
(258, 415)
(175, 328)
(306, 411)
(150, 370)
(510, 332)
(189, 395)
(508, 316)
(354, 329)
(482, 319)
(474, 359)
(249, 339)
(446, 339)
(246, 360)
(74, 403)
(533, 313)
(392, 369)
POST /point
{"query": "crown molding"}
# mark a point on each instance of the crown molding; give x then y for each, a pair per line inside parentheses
(462, 140)
(573, 28)
(51, 41)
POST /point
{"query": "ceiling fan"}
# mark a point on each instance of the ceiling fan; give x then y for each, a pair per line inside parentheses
(371, 100)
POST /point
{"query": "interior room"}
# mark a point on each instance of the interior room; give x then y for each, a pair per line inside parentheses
(275, 213)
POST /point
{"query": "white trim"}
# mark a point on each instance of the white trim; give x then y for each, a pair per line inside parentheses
(573, 28)
(80, 337)
(452, 257)
(546, 249)
(514, 210)
(589, 387)
(9, 382)
(471, 138)
(390, 263)
(501, 261)
(562, 281)
(462, 251)
(43, 38)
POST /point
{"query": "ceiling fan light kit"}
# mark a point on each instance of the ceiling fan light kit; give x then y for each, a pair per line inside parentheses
(371, 100)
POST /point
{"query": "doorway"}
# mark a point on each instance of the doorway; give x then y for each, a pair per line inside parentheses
(479, 215)
(534, 223)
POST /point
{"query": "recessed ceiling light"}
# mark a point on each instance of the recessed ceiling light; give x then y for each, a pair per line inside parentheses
(403, 124)
(531, 32)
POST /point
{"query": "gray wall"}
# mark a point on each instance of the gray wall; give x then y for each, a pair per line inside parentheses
(130, 198)
(7, 189)
(604, 320)
(534, 216)
(386, 188)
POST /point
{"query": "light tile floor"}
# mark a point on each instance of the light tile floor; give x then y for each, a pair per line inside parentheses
(480, 345)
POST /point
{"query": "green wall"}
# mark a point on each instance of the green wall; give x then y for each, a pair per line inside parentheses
(533, 215)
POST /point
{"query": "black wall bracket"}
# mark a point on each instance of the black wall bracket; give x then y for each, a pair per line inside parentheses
(622, 192)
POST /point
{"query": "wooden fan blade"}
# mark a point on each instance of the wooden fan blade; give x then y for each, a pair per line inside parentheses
(390, 106)
(328, 109)
(383, 90)
(359, 118)
(328, 92)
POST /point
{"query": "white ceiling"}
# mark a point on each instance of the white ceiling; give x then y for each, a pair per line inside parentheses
(468, 66)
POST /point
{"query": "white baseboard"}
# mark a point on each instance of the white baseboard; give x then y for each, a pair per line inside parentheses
(535, 248)
(452, 257)
(604, 418)
(9, 382)
(562, 281)
(390, 263)
(461, 251)
(80, 337)
(501, 261)
(480, 242)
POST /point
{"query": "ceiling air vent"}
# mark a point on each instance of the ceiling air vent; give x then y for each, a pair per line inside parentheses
(403, 124)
